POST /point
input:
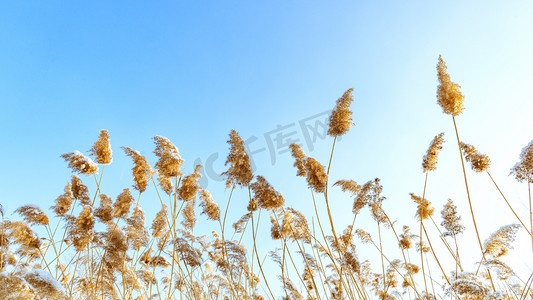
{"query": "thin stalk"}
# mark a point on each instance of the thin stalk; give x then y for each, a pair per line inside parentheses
(435, 254)
(467, 190)
(508, 204)
(258, 260)
(530, 211)
(382, 263)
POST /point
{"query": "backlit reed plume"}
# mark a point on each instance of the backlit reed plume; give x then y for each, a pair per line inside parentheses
(160, 222)
(21, 234)
(44, 284)
(105, 210)
(80, 163)
(450, 220)
(141, 169)
(64, 201)
(121, 208)
(406, 238)
(166, 184)
(369, 193)
(239, 226)
(348, 186)
(424, 209)
(189, 185)
(341, 116)
(429, 163)
(523, 170)
(299, 156)
(240, 170)
(189, 216)
(265, 195)
(478, 161)
(169, 162)
(14, 287)
(316, 175)
(467, 285)
(102, 149)
(298, 228)
(33, 215)
(209, 206)
(80, 191)
(190, 255)
(449, 96)
(136, 233)
(80, 229)
(499, 242)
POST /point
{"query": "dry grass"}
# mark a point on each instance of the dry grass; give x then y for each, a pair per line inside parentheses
(109, 252)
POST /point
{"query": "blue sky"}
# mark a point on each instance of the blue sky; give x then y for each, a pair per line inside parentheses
(193, 70)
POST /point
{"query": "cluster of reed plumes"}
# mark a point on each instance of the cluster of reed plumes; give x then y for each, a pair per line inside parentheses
(100, 248)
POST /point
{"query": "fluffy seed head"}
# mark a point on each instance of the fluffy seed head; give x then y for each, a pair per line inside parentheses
(240, 170)
(299, 155)
(44, 284)
(499, 243)
(429, 163)
(64, 201)
(424, 209)
(341, 116)
(166, 184)
(141, 169)
(160, 222)
(121, 208)
(189, 217)
(102, 149)
(265, 195)
(209, 206)
(80, 163)
(104, 212)
(479, 162)
(80, 191)
(169, 162)
(348, 186)
(189, 186)
(316, 175)
(450, 220)
(523, 170)
(32, 215)
(406, 238)
(449, 96)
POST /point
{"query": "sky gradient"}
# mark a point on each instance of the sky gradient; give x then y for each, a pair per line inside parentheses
(193, 70)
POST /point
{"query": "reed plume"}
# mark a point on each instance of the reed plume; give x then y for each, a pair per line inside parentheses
(209, 206)
(299, 156)
(32, 215)
(102, 149)
(80, 191)
(169, 162)
(449, 97)
(450, 220)
(80, 163)
(523, 170)
(316, 175)
(429, 163)
(189, 186)
(478, 161)
(240, 169)
(499, 242)
(141, 169)
(265, 195)
(340, 119)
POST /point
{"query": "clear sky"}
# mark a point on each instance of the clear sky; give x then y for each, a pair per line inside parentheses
(193, 70)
